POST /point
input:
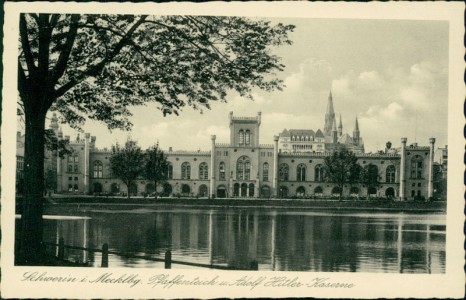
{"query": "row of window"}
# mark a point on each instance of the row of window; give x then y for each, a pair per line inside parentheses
(243, 170)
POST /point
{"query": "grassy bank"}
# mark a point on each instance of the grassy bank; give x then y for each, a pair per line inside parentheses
(318, 204)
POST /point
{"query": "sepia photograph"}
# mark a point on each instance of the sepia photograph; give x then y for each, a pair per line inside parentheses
(206, 143)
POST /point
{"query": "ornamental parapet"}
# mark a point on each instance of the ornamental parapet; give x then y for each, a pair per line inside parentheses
(266, 146)
(185, 152)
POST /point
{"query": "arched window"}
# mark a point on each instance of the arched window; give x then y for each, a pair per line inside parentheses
(241, 137)
(318, 190)
(98, 169)
(169, 171)
(417, 164)
(283, 171)
(247, 137)
(265, 172)
(221, 171)
(185, 170)
(319, 173)
(243, 168)
(301, 172)
(203, 171)
(390, 174)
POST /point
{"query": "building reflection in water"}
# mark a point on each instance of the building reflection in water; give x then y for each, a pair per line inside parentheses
(292, 241)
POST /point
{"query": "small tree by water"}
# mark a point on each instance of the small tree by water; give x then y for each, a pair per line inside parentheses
(156, 166)
(339, 168)
(126, 163)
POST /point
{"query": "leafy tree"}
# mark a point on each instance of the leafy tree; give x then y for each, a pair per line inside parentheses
(156, 166)
(339, 168)
(97, 66)
(370, 177)
(126, 163)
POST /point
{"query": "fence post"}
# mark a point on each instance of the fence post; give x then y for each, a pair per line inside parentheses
(61, 248)
(254, 265)
(104, 263)
(168, 259)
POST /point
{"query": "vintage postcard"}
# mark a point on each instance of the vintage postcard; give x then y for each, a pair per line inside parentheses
(211, 150)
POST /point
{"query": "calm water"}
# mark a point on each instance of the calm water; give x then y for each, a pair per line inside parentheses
(294, 241)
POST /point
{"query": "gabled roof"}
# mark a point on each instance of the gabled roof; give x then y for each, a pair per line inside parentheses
(319, 134)
(301, 132)
(345, 139)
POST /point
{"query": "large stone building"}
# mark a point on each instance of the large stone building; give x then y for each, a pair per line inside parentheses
(292, 166)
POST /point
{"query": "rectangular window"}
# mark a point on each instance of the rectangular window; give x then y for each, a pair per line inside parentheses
(262, 154)
(76, 168)
(225, 153)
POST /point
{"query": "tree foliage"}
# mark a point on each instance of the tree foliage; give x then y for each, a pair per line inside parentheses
(97, 66)
(126, 163)
(370, 177)
(341, 168)
(156, 166)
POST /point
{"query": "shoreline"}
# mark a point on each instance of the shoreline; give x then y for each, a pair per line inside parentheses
(269, 204)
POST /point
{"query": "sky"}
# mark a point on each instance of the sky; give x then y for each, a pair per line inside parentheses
(390, 74)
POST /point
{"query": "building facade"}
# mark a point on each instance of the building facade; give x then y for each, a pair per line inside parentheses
(291, 166)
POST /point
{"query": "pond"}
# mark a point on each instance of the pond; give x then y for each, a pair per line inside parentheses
(279, 240)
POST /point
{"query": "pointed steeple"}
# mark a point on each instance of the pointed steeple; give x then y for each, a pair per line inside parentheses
(340, 128)
(329, 116)
(334, 132)
(356, 133)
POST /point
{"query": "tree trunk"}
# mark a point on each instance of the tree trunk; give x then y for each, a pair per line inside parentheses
(30, 248)
(128, 184)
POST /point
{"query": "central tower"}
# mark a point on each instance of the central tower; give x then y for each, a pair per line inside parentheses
(329, 116)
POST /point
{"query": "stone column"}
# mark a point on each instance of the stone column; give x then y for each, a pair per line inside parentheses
(430, 187)
(212, 167)
(86, 163)
(275, 167)
(402, 169)
(59, 175)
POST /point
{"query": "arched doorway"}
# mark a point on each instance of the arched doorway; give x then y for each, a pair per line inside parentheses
(236, 190)
(97, 188)
(336, 190)
(251, 190)
(265, 191)
(283, 192)
(150, 189)
(221, 192)
(185, 190)
(115, 188)
(390, 192)
(133, 189)
(300, 191)
(319, 191)
(354, 191)
(372, 191)
(167, 190)
(244, 189)
(203, 191)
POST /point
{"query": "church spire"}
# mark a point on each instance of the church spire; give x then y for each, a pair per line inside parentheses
(329, 116)
(356, 134)
(340, 128)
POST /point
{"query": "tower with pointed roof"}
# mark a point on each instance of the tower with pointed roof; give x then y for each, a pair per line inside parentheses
(329, 116)
(356, 132)
(340, 128)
